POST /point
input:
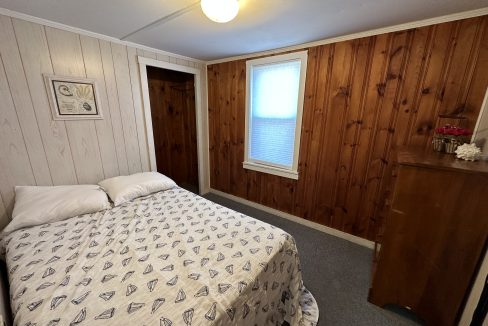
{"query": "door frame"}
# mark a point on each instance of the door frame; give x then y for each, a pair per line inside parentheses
(201, 125)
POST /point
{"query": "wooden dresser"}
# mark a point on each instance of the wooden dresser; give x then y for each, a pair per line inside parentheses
(435, 235)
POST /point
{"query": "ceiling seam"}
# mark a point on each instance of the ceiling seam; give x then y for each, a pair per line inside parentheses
(162, 20)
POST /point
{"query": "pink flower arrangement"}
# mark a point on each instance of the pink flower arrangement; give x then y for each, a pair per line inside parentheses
(449, 130)
(448, 138)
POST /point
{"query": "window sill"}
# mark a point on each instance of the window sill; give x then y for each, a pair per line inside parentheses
(270, 170)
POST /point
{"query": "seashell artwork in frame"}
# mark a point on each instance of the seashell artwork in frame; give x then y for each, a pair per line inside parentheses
(480, 134)
(73, 98)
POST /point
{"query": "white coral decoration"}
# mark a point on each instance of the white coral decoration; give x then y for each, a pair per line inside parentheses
(468, 152)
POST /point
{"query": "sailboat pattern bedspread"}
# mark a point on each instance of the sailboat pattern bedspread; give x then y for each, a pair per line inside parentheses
(170, 258)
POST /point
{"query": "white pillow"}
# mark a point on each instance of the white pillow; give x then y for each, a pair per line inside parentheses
(40, 205)
(125, 188)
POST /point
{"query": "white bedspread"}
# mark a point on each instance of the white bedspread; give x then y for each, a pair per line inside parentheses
(171, 258)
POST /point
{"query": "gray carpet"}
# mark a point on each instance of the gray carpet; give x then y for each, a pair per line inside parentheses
(336, 271)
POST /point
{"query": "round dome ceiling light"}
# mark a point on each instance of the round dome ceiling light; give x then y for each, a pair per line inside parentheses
(220, 11)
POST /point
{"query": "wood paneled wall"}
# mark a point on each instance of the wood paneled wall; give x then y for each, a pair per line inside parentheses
(172, 96)
(362, 98)
(34, 149)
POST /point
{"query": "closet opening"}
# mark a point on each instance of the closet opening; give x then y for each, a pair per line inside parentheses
(174, 125)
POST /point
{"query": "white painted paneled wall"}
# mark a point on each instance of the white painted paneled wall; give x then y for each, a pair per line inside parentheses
(35, 149)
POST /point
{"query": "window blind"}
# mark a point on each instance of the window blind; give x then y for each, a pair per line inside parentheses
(273, 104)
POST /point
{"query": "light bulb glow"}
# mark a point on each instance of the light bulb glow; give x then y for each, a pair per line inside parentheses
(220, 11)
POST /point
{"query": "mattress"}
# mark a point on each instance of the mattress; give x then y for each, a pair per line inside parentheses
(171, 258)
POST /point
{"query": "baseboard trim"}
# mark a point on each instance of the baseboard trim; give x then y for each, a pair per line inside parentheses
(343, 235)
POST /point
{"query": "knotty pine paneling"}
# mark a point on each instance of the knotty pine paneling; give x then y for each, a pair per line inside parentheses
(24, 107)
(14, 164)
(104, 127)
(34, 149)
(35, 60)
(363, 98)
(126, 106)
(82, 135)
(172, 97)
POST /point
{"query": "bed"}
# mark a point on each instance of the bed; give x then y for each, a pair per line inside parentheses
(169, 258)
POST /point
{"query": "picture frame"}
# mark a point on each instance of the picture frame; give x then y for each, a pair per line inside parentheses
(73, 98)
(480, 133)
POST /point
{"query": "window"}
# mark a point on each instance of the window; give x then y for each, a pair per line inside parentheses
(274, 102)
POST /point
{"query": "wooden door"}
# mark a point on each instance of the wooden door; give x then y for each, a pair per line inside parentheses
(172, 97)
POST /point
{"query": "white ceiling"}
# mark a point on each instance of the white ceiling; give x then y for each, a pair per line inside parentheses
(260, 25)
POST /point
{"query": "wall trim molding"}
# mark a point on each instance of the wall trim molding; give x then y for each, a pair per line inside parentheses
(347, 37)
(202, 149)
(319, 227)
(50, 23)
(372, 32)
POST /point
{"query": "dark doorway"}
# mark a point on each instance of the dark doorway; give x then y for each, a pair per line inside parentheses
(172, 97)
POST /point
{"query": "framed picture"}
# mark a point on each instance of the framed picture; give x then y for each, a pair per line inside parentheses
(73, 98)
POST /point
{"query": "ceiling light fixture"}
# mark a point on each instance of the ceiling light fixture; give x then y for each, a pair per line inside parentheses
(220, 11)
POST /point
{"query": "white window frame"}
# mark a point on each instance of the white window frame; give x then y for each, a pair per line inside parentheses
(268, 167)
